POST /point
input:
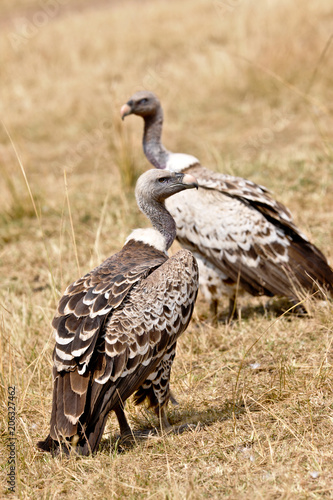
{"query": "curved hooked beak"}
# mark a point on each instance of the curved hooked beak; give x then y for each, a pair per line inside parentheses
(189, 181)
(125, 110)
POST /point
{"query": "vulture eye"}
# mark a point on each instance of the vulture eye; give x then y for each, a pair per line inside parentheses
(143, 101)
(163, 180)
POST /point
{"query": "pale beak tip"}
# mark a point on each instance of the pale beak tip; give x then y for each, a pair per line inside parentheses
(125, 110)
(190, 180)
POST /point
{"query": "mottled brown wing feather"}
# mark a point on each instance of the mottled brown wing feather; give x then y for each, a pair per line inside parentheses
(156, 388)
(129, 346)
(87, 303)
(154, 314)
(79, 328)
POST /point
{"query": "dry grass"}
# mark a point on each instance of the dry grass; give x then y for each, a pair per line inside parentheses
(246, 87)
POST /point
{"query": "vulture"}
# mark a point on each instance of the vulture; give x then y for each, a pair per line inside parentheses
(116, 328)
(243, 239)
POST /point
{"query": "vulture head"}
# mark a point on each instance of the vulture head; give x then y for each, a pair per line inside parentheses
(157, 185)
(147, 105)
(142, 103)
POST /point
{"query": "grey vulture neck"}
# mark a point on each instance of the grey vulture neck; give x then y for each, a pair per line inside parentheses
(158, 215)
(154, 150)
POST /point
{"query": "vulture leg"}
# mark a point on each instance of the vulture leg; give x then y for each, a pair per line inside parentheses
(125, 429)
(213, 307)
(165, 424)
(128, 438)
(232, 309)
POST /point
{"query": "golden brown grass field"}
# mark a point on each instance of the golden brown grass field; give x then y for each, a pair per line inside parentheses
(248, 88)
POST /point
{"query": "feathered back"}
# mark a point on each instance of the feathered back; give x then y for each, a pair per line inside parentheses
(116, 327)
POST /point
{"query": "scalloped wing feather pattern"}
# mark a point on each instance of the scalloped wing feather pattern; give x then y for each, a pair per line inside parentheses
(244, 239)
(115, 327)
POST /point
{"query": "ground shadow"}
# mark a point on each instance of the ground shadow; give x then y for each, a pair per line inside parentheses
(185, 422)
(271, 309)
